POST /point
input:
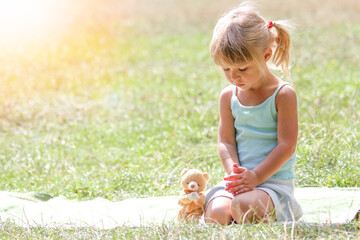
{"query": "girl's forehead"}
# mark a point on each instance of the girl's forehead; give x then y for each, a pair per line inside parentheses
(239, 65)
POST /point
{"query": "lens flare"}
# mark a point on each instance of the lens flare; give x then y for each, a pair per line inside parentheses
(26, 20)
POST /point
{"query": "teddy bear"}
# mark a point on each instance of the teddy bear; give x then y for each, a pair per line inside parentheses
(192, 200)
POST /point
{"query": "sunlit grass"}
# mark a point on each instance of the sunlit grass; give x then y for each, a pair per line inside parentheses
(190, 231)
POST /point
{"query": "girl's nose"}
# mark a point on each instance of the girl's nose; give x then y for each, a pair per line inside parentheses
(234, 75)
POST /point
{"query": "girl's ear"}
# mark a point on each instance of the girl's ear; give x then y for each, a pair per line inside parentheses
(267, 54)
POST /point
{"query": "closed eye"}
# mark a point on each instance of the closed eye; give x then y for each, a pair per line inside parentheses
(242, 69)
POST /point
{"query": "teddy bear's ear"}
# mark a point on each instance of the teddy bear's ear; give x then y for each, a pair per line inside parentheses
(183, 171)
(206, 176)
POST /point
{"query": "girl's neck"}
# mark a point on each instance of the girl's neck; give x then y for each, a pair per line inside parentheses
(267, 81)
(258, 94)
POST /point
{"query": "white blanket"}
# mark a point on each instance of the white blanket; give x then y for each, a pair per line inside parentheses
(320, 205)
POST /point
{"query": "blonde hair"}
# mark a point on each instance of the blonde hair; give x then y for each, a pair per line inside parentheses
(242, 35)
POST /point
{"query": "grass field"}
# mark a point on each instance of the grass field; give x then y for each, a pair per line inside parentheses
(117, 101)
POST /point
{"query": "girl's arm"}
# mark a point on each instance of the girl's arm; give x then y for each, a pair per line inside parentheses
(247, 180)
(287, 129)
(226, 141)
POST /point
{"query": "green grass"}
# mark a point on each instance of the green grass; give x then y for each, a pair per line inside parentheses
(189, 231)
(119, 113)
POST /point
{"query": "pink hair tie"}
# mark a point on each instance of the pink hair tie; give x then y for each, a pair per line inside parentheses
(271, 24)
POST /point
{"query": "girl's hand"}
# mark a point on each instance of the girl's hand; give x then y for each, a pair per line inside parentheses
(241, 180)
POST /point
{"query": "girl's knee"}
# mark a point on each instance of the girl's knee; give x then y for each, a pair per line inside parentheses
(218, 211)
(241, 210)
(251, 207)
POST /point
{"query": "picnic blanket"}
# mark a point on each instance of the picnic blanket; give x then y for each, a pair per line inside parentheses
(320, 205)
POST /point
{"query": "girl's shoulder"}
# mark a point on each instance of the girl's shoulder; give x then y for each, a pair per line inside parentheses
(228, 90)
(286, 90)
(286, 96)
(227, 93)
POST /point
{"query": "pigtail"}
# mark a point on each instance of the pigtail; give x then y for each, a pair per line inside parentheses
(283, 46)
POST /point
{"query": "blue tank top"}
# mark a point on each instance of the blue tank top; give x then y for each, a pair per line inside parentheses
(256, 133)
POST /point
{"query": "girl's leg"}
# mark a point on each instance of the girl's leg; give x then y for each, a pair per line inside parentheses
(252, 207)
(218, 211)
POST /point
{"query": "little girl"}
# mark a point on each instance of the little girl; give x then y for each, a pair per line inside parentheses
(258, 122)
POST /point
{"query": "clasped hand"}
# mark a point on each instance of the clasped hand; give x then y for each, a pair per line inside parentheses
(240, 180)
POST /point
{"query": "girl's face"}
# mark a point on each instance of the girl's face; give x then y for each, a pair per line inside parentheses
(245, 75)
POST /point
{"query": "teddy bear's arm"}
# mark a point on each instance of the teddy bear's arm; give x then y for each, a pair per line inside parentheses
(201, 200)
(184, 199)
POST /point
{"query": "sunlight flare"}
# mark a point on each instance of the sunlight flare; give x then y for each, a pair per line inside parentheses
(24, 20)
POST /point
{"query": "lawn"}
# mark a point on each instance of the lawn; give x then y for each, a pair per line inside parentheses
(124, 96)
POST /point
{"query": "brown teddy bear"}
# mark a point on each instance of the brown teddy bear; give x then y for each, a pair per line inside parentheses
(191, 198)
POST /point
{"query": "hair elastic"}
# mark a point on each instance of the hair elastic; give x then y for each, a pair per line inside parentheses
(271, 24)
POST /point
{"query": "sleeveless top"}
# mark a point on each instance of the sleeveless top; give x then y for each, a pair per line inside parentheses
(256, 133)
